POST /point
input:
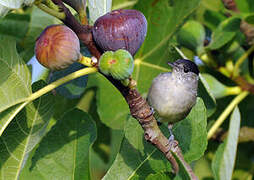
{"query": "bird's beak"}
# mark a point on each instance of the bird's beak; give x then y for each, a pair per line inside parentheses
(172, 64)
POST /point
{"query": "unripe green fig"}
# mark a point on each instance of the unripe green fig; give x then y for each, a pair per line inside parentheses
(118, 64)
(57, 47)
(192, 35)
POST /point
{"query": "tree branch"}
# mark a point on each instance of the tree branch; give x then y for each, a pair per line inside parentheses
(139, 108)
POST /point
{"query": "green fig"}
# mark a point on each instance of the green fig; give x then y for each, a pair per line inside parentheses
(118, 64)
(192, 35)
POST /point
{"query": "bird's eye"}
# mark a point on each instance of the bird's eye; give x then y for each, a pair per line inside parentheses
(186, 70)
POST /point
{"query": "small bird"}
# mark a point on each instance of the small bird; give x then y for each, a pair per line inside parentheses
(173, 94)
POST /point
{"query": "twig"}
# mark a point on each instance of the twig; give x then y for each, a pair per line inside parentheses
(139, 108)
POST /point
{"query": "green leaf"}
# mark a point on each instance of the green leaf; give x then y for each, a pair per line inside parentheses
(225, 32)
(14, 25)
(245, 5)
(218, 89)
(15, 81)
(224, 160)
(7, 116)
(98, 8)
(23, 134)
(64, 151)
(163, 19)
(191, 132)
(138, 158)
(159, 176)
(111, 106)
(250, 19)
(206, 94)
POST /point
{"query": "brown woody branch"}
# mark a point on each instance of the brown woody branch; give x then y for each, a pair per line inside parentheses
(139, 107)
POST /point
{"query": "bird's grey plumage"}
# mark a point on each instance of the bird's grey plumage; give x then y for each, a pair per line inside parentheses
(172, 95)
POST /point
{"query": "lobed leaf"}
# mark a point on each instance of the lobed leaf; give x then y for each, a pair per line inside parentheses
(64, 151)
(23, 134)
(15, 81)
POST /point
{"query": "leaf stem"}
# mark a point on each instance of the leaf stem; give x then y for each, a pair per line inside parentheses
(233, 90)
(43, 7)
(241, 60)
(226, 112)
(86, 61)
(139, 62)
(61, 81)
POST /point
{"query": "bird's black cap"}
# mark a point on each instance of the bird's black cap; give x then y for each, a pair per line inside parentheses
(188, 65)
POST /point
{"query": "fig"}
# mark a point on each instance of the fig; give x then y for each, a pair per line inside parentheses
(120, 29)
(192, 36)
(57, 47)
(118, 64)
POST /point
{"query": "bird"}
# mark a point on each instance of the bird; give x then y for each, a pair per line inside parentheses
(173, 94)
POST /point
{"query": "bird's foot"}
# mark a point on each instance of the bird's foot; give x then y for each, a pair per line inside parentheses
(171, 136)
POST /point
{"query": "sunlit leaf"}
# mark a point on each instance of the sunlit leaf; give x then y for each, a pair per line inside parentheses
(98, 8)
(23, 134)
(224, 160)
(15, 81)
(64, 151)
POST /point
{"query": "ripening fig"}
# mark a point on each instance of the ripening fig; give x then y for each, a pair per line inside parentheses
(120, 29)
(57, 47)
(118, 64)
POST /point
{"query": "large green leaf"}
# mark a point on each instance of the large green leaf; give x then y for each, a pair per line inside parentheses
(15, 81)
(64, 151)
(138, 158)
(14, 25)
(224, 160)
(163, 18)
(23, 134)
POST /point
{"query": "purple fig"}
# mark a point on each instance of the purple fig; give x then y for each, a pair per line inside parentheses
(120, 29)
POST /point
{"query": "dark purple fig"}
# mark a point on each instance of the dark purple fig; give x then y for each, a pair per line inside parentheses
(120, 29)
